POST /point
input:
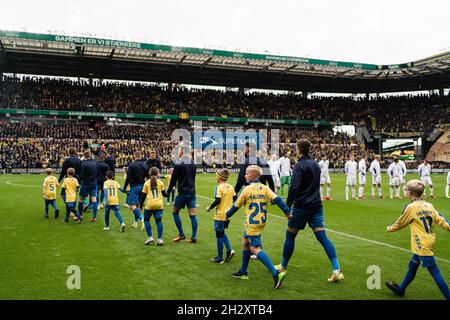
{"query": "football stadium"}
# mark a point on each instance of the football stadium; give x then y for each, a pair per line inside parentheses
(133, 170)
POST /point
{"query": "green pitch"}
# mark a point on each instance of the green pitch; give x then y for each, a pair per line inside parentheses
(35, 253)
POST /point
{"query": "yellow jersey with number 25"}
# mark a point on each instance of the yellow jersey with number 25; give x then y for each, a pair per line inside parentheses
(255, 198)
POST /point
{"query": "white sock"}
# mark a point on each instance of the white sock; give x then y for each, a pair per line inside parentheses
(346, 192)
(447, 187)
(328, 191)
(431, 191)
(353, 191)
(379, 191)
(361, 191)
(321, 191)
(373, 191)
(391, 191)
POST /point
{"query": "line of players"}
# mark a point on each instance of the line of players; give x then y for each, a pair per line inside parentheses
(255, 197)
(396, 173)
(281, 172)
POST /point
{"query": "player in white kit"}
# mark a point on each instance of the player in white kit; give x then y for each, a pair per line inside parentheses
(402, 173)
(447, 187)
(394, 179)
(424, 171)
(350, 171)
(285, 171)
(375, 171)
(324, 165)
(362, 170)
(274, 166)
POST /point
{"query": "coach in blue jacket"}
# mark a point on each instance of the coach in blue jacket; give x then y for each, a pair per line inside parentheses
(304, 197)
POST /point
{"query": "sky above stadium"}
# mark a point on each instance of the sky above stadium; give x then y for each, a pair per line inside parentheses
(380, 32)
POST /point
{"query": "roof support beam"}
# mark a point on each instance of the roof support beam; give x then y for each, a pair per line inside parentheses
(435, 69)
(112, 53)
(379, 74)
(289, 68)
(342, 73)
(414, 72)
(206, 62)
(181, 60)
(265, 68)
(359, 75)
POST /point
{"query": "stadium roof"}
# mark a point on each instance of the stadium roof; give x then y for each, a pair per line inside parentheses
(60, 55)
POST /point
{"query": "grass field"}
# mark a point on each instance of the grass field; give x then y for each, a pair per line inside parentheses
(36, 252)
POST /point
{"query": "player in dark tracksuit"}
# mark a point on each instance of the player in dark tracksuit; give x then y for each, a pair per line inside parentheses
(304, 196)
(153, 160)
(184, 178)
(137, 171)
(70, 162)
(102, 169)
(88, 181)
(266, 178)
(111, 162)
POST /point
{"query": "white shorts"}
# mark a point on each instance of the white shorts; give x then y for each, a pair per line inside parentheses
(376, 179)
(394, 181)
(351, 180)
(276, 181)
(401, 179)
(362, 179)
(426, 180)
(325, 179)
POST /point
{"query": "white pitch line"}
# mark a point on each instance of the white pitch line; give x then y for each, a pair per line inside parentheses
(354, 237)
(19, 185)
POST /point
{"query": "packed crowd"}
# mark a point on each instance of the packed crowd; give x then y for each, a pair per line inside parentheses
(395, 114)
(39, 144)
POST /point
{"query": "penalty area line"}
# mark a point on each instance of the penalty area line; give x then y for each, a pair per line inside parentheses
(387, 245)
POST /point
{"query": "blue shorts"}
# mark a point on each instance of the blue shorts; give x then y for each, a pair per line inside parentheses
(183, 200)
(71, 205)
(255, 241)
(156, 213)
(220, 226)
(301, 217)
(134, 195)
(88, 190)
(47, 202)
(427, 261)
(113, 207)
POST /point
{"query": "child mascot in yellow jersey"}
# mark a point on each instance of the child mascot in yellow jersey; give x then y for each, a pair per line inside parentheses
(255, 198)
(49, 192)
(223, 200)
(154, 192)
(421, 216)
(111, 196)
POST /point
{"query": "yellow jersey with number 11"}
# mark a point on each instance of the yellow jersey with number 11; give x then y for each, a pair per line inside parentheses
(422, 217)
(112, 187)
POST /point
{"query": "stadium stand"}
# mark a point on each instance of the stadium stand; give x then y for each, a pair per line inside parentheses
(410, 113)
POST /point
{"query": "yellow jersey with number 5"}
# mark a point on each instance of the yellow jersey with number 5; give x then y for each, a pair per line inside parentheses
(112, 187)
(154, 198)
(422, 217)
(255, 198)
(49, 187)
